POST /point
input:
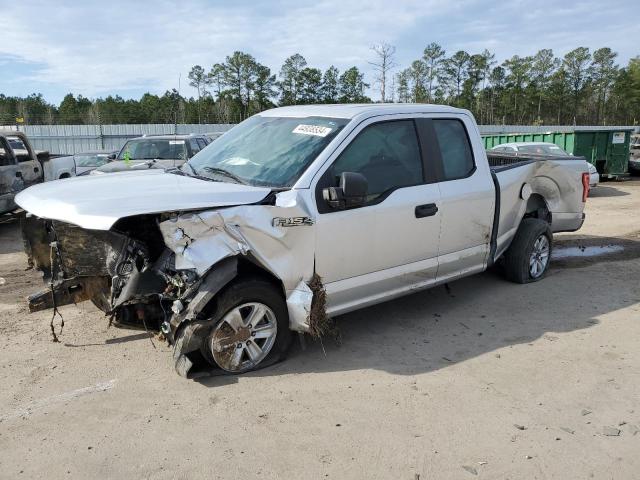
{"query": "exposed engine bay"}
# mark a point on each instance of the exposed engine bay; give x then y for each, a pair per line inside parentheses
(133, 279)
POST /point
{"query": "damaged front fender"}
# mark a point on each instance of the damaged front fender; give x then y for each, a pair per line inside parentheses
(279, 238)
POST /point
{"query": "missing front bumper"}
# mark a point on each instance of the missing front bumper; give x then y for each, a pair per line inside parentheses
(69, 291)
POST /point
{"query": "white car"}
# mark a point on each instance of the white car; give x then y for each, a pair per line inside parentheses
(544, 148)
(297, 214)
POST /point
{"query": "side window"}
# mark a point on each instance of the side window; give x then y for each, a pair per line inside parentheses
(457, 157)
(201, 143)
(195, 148)
(386, 153)
(6, 158)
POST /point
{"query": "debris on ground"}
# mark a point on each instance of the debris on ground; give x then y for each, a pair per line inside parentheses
(633, 429)
(469, 469)
(611, 431)
(2, 281)
(568, 430)
(519, 427)
(585, 412)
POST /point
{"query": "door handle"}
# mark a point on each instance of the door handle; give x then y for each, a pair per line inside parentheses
(35, 170)
(428, 210)
(19, 174)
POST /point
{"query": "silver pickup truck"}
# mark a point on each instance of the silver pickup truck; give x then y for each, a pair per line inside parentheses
(294, 216)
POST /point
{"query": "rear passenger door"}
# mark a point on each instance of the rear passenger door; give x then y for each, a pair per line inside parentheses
(467, 199)
(29, 166)
(391, 243)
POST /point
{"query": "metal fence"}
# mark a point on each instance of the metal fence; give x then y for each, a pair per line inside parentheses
(498, 129)
(70, 139)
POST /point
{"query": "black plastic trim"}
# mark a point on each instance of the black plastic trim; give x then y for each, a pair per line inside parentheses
(493, 246)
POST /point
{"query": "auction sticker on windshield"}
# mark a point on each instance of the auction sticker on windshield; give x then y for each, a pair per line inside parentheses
(315, 130)
(176, 142)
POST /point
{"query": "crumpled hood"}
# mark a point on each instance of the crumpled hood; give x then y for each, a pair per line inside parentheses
(98, 201)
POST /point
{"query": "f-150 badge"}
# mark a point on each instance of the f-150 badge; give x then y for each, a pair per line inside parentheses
(291, 221)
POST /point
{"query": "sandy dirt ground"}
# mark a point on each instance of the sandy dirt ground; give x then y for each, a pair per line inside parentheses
(488, 380)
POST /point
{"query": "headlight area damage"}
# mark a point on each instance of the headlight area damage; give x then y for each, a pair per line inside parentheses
(164, 271)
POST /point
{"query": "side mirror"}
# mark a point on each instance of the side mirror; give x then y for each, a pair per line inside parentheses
(351, 193)
(112, 156)
(43, 156)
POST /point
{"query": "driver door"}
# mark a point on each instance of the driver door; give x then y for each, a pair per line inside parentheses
(390, 244)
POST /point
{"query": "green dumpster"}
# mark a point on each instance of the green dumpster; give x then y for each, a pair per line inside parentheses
(606, 148)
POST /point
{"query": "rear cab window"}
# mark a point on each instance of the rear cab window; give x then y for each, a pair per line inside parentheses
(455, 149)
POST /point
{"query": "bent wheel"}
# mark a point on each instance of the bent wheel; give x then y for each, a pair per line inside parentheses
(244, 337)
(251, 330)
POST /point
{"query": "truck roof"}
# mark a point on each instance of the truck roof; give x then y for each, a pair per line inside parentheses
(358, 109)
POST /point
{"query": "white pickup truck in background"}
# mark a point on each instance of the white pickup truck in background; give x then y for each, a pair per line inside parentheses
(296, 214)
(68, 166)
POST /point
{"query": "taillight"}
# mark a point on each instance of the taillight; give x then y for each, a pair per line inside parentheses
(585, 186)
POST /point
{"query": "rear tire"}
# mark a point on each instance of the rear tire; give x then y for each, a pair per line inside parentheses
(250, 327)
(527, 258)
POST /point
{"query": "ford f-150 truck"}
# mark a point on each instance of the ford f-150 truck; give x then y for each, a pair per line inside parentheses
(294, 216)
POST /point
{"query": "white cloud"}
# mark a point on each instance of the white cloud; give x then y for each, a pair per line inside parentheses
(102, 47)
(96, 48)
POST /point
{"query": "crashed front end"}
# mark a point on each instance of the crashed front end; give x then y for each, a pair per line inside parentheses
(124, 276)
(162, 271)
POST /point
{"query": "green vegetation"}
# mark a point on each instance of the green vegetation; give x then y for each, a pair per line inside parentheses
(582, 87)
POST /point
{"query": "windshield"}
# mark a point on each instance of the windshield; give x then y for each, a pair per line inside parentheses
(91, 160)
(543, 150)
(153, 148)
(270, 151)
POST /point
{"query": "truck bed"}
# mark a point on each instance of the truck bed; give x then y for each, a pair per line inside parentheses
(499, 161)
(557, 181)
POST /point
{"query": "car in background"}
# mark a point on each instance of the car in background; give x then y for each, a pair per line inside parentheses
(544, 148)
(154, 151)
(77, 164)
(213, 135)
(20, 167)
(634, 157)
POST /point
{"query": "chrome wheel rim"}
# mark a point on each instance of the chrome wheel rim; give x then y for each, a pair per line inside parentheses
(244, 337)
(539, 258)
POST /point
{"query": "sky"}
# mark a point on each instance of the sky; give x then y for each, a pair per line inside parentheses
(109, 47)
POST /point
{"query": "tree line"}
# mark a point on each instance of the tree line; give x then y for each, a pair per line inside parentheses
(581, 87)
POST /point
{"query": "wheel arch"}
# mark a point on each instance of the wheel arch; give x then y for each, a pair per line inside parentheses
(537, 207)
(187, 327)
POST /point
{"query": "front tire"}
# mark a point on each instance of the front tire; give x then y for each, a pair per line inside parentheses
(527, 258)
(250, 327)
